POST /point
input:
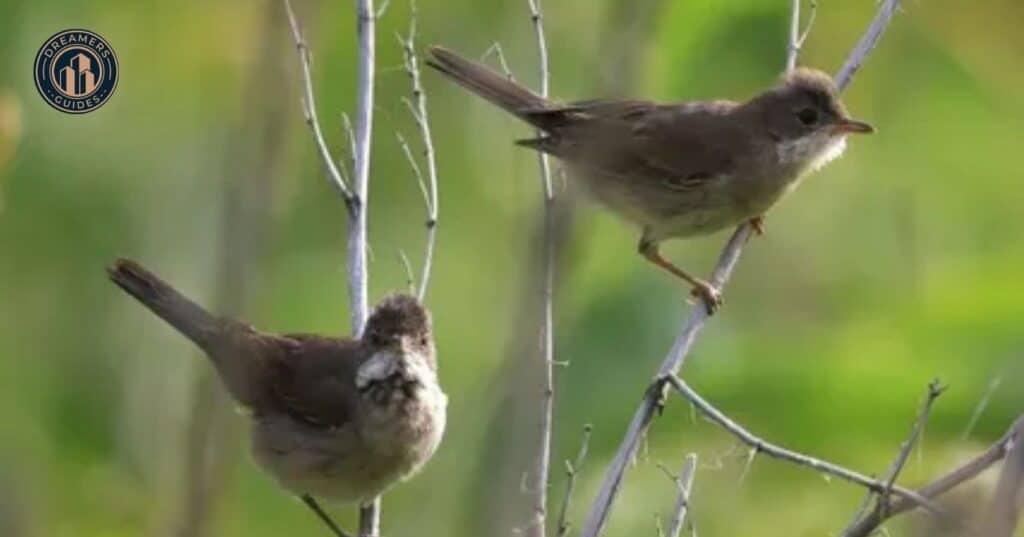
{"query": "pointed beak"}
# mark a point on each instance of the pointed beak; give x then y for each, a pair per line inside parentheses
(847, 125)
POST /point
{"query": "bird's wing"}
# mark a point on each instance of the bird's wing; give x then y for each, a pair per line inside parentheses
(312, 379)
(682, 145)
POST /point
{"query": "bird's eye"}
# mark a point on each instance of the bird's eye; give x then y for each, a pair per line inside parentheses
(424, 341)
(376, 338)
(807, 116)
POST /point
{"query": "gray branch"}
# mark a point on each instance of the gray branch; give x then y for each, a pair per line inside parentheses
(1004, 509)
(309, 110)
(963, 473)
(358, 274)
(684, 483)
(547, 355)
(759, 445)
(572, 469)
(601, 508)
(418, 109)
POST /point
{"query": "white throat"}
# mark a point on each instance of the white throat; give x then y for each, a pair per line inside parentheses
(811, 152)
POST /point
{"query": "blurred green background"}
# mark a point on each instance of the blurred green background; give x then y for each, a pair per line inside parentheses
(898, 264)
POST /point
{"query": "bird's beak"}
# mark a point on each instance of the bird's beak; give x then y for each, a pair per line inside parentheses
(847, 125)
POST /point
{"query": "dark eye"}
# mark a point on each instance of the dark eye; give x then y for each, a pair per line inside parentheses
(424, 341)
(807, 116)
(376, 338)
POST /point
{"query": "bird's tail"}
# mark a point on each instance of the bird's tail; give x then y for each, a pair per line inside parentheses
(186, 316)
(487, 83)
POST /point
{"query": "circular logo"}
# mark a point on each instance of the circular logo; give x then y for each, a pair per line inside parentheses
(76, 71)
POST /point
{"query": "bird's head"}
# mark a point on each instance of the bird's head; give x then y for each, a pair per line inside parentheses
(400, 324)
(806, 117)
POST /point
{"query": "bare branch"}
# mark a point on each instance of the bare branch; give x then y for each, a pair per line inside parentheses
(418, 109)
(796, 37)
(358, 274)
(730, 255)
(1004, 509)
(500, 53)
(941, 485)
(547, 354)
(572, 468)
(684, 482)
(867, 42)
(309, 110)
(934, 391)
(415, 168)
(759, 445)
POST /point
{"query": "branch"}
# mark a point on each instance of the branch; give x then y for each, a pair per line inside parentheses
(309, 111)
(1004, 509)
(684, 482)
(547, 396)
(676, 357)
(571, 470)
(867, 42)
(759, 445)
(418, 109)
(358, 275)
(796, 37)
(942, 485)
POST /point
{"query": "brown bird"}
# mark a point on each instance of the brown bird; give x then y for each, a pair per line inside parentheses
(683, 169)
(337, 418)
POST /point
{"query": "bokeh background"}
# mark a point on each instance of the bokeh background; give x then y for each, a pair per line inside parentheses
(898, 264)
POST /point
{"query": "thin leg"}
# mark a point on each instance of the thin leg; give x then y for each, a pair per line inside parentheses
(702, 289)
(308, 500)
(757, 223)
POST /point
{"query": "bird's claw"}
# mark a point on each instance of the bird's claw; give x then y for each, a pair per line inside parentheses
(658, 393)
(757, 223)
(711, 297)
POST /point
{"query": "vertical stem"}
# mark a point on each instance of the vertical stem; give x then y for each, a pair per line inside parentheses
(793, 50)
(358, 275)
(543, 461)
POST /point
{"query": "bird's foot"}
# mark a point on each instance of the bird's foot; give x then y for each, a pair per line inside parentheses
(707, 293)
(657, 392)
(757, 223)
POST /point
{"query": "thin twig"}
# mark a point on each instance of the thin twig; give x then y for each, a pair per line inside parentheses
(601, 508)
(684, 483)
(796, 36)
(309, 111)
(935, 389)
(496, 49)
(415, 168)
(572, 469)
(418, 108)
(963, 473)
(759, 445)
(986, 398)
(882, 499)
(547, 355)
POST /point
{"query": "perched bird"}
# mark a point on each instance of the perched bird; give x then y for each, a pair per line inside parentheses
(684, 169)
(334, 418)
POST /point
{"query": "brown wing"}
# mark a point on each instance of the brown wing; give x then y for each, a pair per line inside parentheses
(312, 379)
(684, 144)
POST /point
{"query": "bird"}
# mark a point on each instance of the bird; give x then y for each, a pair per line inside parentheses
(684, 169)
(336, 418)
